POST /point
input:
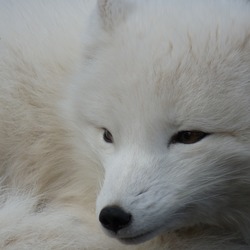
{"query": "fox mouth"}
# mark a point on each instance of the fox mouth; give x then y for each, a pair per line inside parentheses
(137, 239)
(173, 224)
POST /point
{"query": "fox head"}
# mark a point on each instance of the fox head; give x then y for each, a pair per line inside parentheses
(162, 98)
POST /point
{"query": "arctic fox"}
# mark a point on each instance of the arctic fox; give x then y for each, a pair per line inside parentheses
(125, 118)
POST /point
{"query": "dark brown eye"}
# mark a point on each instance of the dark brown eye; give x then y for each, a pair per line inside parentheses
(188, 137)
(107, 136)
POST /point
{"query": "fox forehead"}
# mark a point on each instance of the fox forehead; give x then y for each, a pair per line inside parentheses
(187, 89)
(189, 73)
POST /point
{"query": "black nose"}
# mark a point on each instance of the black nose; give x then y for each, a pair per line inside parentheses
(114, 218)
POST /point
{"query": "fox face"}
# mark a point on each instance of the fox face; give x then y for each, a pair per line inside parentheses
(166, 113)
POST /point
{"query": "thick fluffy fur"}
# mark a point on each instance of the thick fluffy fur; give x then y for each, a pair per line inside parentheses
(145, 70)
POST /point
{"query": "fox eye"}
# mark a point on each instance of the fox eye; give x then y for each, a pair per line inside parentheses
(107, 136)
(188, 137)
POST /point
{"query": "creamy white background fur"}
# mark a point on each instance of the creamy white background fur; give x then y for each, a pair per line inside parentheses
(145, 70)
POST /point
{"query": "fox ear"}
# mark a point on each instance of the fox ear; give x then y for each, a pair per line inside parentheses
(112, 12)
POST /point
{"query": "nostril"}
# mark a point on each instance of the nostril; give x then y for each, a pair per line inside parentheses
(114, 218)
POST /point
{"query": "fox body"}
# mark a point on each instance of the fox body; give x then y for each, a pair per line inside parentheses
(134, 113)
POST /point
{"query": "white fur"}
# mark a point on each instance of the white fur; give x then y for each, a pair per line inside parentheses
(144, 70)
